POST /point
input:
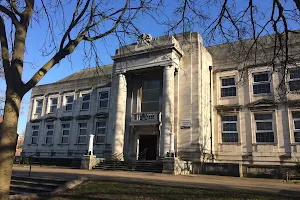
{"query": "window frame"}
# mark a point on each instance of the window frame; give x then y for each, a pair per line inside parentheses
(36, 106)
(262, 82)
(264, 131)
(292, 79)
(49, 136)
(142, 94)
(78, 135)
(86, 101)
(294, 128)
(101, 100)
(237, 127)
(96, 131)
(228, 86)
(32, 136)
(50, 104)
(66, 102)
(62, 132)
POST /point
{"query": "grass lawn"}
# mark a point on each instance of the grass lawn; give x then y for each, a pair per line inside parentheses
(92, 190)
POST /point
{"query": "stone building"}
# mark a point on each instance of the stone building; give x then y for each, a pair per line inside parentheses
(175, 98)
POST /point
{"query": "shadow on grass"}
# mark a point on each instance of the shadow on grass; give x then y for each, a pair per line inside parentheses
(92, 190)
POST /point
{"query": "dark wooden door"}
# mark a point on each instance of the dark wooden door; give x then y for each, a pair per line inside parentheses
(148, 142)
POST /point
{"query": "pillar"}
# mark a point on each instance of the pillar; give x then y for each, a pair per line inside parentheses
(119, 113)
(167, 130)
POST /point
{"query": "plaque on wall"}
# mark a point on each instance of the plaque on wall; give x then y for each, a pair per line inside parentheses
(185, 124)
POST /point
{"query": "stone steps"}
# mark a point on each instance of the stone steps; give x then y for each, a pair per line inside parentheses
(142, 166)
(34, 185)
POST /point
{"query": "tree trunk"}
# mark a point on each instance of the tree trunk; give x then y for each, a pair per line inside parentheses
(8, 140)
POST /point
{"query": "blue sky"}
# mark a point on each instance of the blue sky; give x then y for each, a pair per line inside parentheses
(35, 41)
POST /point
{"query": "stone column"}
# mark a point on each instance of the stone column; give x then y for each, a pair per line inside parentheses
(167, 131)
(91, 143)
(119, 113)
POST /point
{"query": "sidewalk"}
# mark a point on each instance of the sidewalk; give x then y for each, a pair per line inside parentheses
(197, 181)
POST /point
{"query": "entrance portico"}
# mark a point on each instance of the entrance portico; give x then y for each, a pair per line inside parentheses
(146, 102)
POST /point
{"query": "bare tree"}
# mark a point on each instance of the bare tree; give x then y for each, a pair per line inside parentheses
(242, 25)
(90, 20)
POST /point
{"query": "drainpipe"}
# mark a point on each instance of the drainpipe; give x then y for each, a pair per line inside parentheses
(210, 119)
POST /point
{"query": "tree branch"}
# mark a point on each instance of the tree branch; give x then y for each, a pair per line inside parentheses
(74, 21)
(13, 5)
(4, 47)
(297, 2)
(11, 15)
(113, 28)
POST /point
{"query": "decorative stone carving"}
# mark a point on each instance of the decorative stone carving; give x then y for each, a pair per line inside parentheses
(36, 120)
(50, 119)
(145, 39)
(101, 115)
(83, 117)
(66, 118)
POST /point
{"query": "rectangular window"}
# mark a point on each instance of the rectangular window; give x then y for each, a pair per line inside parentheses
(35, 134)
(264, 128)
(296, 123)
(49, 133)
(229, 129)
(228, 87)
(85, 101)
(103, 99)
(69, 103)
(82, 133)
(65, 133)
(150, 96)
(294, 79)
(261, 83)
(53, 105)
(39, 106)
(100, 132)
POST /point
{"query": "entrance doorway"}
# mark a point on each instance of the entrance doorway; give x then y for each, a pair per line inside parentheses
(148, 142)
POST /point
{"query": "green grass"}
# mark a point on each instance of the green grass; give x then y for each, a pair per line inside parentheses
(295, 181)
(92, 190)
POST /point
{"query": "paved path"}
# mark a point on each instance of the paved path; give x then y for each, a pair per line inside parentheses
(198, 181)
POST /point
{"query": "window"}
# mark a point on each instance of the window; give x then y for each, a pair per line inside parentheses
(100, 131)
(35, 134)
(82, 133)
(69, 103)
(103, 99)
(150, 95)
(264, 127)
(39, 106)
(229, 128)
(85, 101)
(228, 88)
(294, 79)
(53, 105)
(49, 133)
(65, 133)
(296, 122)
(261, 83)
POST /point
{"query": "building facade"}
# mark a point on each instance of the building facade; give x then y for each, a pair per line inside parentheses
(170, 97)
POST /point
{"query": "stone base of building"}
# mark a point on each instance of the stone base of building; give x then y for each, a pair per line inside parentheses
(175, 166)
(89, 161)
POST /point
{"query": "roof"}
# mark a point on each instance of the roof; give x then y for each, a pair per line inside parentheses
(240, 51)
(101, 71)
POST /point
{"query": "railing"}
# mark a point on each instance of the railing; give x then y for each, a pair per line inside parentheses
(30, 161)
(146, 117)
(142, 155)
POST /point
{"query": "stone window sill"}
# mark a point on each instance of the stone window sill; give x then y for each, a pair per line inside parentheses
(264, 143)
